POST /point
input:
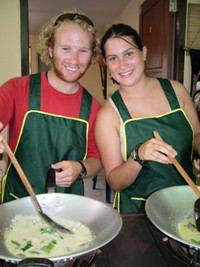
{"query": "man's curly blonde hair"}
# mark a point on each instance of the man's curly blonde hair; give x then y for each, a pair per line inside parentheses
(47, 36)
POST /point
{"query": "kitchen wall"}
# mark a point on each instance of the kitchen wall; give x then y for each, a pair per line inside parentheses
(10, 54)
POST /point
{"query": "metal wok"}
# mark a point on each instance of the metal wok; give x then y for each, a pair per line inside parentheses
(103, 220)
(167, 207)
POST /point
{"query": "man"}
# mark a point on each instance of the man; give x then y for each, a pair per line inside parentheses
(50, 115)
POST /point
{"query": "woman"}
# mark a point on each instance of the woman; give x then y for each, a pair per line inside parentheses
(136, 164)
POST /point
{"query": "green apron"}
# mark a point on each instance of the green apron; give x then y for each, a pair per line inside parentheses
(175, 129)
(45, 139)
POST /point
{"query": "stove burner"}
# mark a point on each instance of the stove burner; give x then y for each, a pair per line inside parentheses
(87, 260)
(84, 261)
(184, 252)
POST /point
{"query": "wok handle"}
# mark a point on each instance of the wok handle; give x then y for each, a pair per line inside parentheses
(35, 262)
(180, 168)
(21, 173)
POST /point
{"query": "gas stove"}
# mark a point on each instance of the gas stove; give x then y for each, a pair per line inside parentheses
(141, 244)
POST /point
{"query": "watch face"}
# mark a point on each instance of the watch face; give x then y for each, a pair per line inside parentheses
(82, 174)
(133, 155)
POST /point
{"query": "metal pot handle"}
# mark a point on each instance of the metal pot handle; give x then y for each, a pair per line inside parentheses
(35, 262)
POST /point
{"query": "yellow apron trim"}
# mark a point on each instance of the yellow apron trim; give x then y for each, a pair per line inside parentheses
(54, 115)
(3, 183)
(136, 119)
(3, 189)
(138, 198)
(116, 202)
(14, 196)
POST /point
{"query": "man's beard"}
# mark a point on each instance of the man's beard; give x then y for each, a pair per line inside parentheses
(67, 79)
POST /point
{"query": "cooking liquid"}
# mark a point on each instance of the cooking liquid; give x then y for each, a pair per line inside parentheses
(188, 231)
(29, 236)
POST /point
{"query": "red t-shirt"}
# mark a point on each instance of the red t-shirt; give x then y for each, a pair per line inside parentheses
(14, 95)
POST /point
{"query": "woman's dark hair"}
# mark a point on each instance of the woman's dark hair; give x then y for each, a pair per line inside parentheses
(121, 30)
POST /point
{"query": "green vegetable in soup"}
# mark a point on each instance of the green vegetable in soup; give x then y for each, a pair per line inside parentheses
(48, 248)
(195, 242)
(15, 243)
(50, 231)
(191, 226)
(27, 246)
(47, 231)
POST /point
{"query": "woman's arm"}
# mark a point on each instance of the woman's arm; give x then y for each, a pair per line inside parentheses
(120, 174)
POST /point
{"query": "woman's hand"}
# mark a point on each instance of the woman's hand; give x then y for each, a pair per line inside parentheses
(156, 150)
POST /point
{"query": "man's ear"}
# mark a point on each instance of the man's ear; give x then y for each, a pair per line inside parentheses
(50, 49)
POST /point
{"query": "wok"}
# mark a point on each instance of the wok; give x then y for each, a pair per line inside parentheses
(102, 220)
(167, 207)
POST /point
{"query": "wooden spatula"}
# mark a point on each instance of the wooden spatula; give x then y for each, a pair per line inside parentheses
(29, 188)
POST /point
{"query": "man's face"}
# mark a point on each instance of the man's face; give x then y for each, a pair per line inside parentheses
(71, 53)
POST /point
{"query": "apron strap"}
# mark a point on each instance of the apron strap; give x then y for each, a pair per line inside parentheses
(85, 105)
(169, 92)
(34, 94)
(34, 97)
(119, 103)
(167, 88)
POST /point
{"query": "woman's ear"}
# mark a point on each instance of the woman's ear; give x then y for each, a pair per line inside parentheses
(144, 52)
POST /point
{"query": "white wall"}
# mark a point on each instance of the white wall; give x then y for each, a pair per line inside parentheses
(10, 63)
(10, 55)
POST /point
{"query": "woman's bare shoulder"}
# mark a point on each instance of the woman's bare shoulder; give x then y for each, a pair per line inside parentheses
(107, 110)
(181, 91)
(107, 116)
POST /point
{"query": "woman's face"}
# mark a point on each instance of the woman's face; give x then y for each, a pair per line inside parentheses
(125, 62)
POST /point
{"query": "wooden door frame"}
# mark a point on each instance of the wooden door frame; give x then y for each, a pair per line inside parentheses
(24, 28)
(180, 40)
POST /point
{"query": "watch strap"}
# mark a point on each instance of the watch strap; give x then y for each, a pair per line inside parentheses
(135, 156)
(83, 172)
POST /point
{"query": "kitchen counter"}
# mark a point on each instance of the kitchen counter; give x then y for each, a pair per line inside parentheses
(139, 244)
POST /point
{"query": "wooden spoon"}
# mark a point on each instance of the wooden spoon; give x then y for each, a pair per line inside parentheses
(188, 180)
(29, 187)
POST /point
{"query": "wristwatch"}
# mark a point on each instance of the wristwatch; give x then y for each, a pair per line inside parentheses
(83, 172)
(134, 155)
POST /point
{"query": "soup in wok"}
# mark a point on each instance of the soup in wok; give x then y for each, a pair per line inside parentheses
(103, 222)
(171, 210)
